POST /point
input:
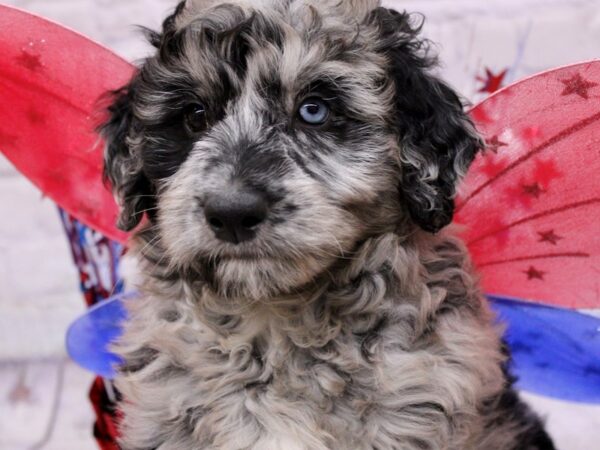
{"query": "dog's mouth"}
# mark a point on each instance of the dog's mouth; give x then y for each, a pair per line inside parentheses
(242, 255)
(258, 275)
(247, 251)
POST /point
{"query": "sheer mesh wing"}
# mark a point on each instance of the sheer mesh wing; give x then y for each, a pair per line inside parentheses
(530, 204)
(51, 79)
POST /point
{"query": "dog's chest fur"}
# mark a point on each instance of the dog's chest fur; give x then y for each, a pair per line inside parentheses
(395, 352)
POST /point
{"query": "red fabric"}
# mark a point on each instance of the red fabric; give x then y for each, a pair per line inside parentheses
(50, 81)
(530, 204)
(107, 417)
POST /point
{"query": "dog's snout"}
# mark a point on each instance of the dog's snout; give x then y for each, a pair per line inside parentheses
(234, 217)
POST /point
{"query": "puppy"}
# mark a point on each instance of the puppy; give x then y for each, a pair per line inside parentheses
(296, 161)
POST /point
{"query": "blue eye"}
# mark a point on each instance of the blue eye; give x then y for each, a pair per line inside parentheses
(314, 111)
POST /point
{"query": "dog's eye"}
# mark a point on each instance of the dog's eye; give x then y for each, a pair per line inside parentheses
(194, 116)
(314, 111)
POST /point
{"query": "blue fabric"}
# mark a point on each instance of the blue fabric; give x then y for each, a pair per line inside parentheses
(89, 337)
(555, 351)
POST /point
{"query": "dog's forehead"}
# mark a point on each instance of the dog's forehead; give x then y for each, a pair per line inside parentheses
(291, 44)
(348, 10)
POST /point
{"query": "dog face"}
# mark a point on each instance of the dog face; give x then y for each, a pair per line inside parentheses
(266, 139)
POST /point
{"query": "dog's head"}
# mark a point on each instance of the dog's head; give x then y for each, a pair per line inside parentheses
(264, 140)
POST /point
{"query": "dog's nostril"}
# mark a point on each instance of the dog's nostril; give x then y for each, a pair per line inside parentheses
(251, 222)
(215, 223)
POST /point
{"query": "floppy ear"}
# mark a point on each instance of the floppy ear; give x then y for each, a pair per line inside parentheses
(437, 139)
(122, 161)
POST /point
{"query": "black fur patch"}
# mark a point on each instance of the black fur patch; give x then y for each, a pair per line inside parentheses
(435, 133)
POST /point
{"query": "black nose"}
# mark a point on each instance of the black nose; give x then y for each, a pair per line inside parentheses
(234, 217)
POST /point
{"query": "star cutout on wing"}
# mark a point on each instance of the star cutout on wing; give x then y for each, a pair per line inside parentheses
(531, 133)
(491, 82)
(534, 274)
(577, 85)
(533, 189)
(549, 236)
(523, 193)
(493, 144)
(546, 171)
(492, 167)
(29, 61)
(502, 236)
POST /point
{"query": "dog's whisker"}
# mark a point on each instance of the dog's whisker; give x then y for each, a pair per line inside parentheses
(155, 208)
(149, 243)
(133, 197)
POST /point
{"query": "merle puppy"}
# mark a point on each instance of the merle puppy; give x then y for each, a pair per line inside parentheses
(297, 162)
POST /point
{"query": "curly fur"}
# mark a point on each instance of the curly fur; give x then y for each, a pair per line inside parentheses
(347, 322)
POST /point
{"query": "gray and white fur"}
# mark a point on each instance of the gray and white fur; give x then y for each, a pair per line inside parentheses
(296, 290)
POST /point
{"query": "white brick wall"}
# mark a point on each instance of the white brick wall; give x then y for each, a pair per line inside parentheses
(38, 285)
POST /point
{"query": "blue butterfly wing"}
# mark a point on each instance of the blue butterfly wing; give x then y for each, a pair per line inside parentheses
(89, 337)
(555, 351)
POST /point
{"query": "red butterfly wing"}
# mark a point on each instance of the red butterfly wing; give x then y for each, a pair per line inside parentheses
(530, 204)
(50, 81)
